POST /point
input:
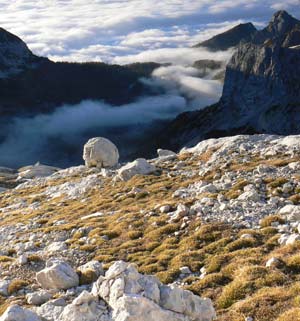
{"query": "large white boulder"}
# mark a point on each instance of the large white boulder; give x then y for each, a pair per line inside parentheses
(135, 297)
(138, 167)
(57, 275)
(100, 152)
(17, 313)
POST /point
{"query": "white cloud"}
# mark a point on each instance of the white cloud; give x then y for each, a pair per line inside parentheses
(179, 56)
(104, 29)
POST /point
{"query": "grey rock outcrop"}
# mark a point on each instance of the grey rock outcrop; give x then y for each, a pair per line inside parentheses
(135, 297)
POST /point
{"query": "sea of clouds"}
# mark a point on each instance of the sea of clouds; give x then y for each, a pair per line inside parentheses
(121, 32)
(82, 30)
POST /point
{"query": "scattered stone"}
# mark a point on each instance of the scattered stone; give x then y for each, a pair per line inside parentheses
(57, 275)
(38, 298)
(166, 154)
(185, 270)
(273, 262)
(17, 313)
(137, 167)
(37, 170)
(4, 284)
(292, 212)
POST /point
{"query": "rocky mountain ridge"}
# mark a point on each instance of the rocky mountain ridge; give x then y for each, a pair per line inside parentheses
(220, 219)
(261, 90)
(231, 38)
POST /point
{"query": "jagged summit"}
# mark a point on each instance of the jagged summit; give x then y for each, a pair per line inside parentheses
(282, 22)
(283, 28)
(231, 38)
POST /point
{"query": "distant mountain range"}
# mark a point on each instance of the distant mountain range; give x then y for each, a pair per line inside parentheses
(261, 91)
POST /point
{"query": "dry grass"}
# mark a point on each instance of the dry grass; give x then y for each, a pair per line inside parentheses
(236, 279)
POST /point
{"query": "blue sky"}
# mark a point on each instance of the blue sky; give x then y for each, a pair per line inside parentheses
(118, 30)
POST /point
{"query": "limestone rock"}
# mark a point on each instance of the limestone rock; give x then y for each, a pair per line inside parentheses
(57, 275)
(136, 297)
(85, 308)
(137, 167)
(38, 298)
(17, 313)
(37, 170)
(292, 212)
(4, 287)
(55, 247)
(166, 154)
(100, 152)
(94, 266)
(49, 311)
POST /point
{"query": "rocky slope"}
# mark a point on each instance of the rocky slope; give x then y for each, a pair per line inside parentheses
(261, 89)
(220, 219)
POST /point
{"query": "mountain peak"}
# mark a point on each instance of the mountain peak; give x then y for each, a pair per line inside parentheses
(14, 54)
(282, 22)
(282, 15)
(230, 38)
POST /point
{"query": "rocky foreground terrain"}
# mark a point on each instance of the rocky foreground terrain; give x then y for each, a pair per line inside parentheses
(209, 233)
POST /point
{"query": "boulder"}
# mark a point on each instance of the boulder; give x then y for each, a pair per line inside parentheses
(94, 266)
(17, 313)
(135, 297)
(86, 307)
(100, 152)
(137, 167)
(49, 311)
(57, 275)
(38, 298)
(55, 247)
(4, 284)
(89, 272)
(292, 212)
(292, 239)
(164, 153)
